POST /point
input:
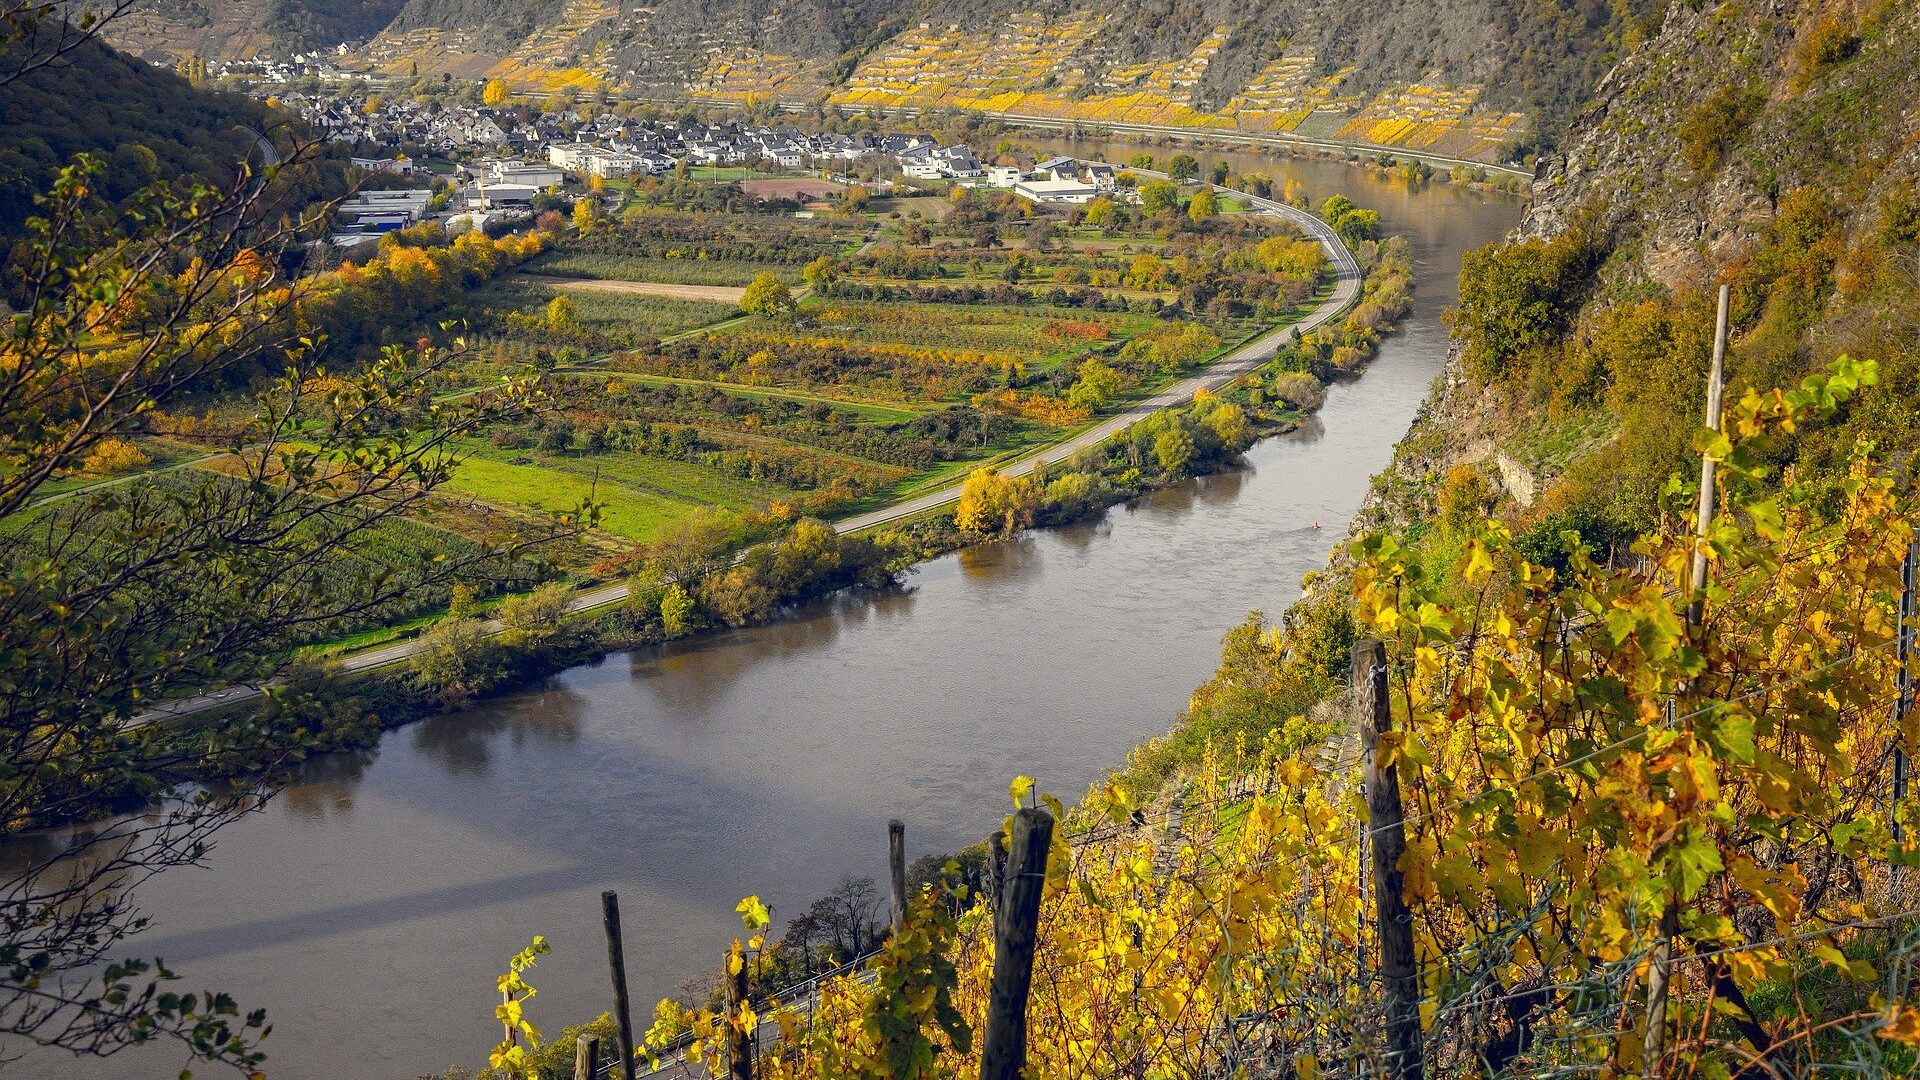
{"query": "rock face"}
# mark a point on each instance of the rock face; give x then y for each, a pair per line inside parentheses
(1717, 142)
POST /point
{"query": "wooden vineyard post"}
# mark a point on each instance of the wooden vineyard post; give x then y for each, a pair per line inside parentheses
(1909, 621)
(617, 961)
(996, 871)
(1016, 928)
(897, 871)
(739, 1043)
(1393, 921)
(1660, 962)
(586, 1058)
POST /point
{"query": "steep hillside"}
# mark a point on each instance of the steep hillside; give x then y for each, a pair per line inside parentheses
(1472, 78)
(147, 124)
(1788, 168)
(237, 29)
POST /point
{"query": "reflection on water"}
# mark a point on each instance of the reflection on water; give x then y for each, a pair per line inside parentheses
(373, 903)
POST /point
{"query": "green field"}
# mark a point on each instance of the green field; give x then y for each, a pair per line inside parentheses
(605, 266)
(678, 480)
(865, 410)
(618, 317)
(625, 512)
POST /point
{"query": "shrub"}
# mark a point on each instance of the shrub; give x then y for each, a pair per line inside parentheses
(535, 619)
(1516, 300)
(111, 456)
(456, 659)
(1716, 125)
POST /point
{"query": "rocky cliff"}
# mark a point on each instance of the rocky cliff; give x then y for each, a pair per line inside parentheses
(1772, 145)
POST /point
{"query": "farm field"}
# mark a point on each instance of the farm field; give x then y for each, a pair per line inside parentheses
(886, 347)
(715, 294)
(663, 269)
(972, 327)
(629, 513)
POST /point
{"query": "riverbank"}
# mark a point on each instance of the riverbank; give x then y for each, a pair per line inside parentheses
(1265, 388)
(1346, 288)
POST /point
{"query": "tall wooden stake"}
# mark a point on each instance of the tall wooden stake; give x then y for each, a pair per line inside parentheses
(996, 872)
(586, 1058)
(1703, 516)
(1003, 1056)
(1660, 963)
(739, 1043)
(1903, 678)
(617, 962)
(1393, 921)
(897, 871)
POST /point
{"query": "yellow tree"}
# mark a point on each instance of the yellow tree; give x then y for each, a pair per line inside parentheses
(766, 294)
(995, 504)
(495, 94)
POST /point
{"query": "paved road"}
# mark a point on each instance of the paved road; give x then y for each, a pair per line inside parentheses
(1347, 278)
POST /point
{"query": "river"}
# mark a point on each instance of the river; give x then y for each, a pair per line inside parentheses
(371, 905)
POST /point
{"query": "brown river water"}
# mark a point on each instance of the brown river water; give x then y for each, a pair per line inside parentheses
(369, 907)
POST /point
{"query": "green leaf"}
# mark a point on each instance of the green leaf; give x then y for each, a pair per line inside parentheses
(753, 913)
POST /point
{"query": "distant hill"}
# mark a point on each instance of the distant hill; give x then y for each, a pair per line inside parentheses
(147, 123)
(233, 29)
(1466, 78)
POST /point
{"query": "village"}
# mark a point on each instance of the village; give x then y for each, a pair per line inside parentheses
(494, 167)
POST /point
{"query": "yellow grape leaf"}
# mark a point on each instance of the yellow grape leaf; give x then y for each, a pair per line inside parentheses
(1833, 956)
(753, 913)
(1904, 1027)
(734, 963)
(1479, 563)
(1022, 787)
(1534, 848)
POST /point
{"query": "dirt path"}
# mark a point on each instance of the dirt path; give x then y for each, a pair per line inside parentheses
(718, 294)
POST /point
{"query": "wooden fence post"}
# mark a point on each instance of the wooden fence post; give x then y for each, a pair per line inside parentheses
(1393, 922)
(739, 1046)
(586, 1058)
(617, 961)
(996, 871)
(897, 871)
(1003, 1055)
(1904, 628)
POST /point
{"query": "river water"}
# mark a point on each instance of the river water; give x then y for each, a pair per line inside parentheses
(371, 905)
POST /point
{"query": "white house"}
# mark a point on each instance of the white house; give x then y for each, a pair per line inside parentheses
(1002, 176)
(571, 156)
(923, 170)
(1060, 168)
(606, 163)
(1055, 191)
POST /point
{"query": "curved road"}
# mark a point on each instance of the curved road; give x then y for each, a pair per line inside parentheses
(1346, 289)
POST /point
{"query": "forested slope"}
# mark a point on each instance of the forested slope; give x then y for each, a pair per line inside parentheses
(148, 125)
